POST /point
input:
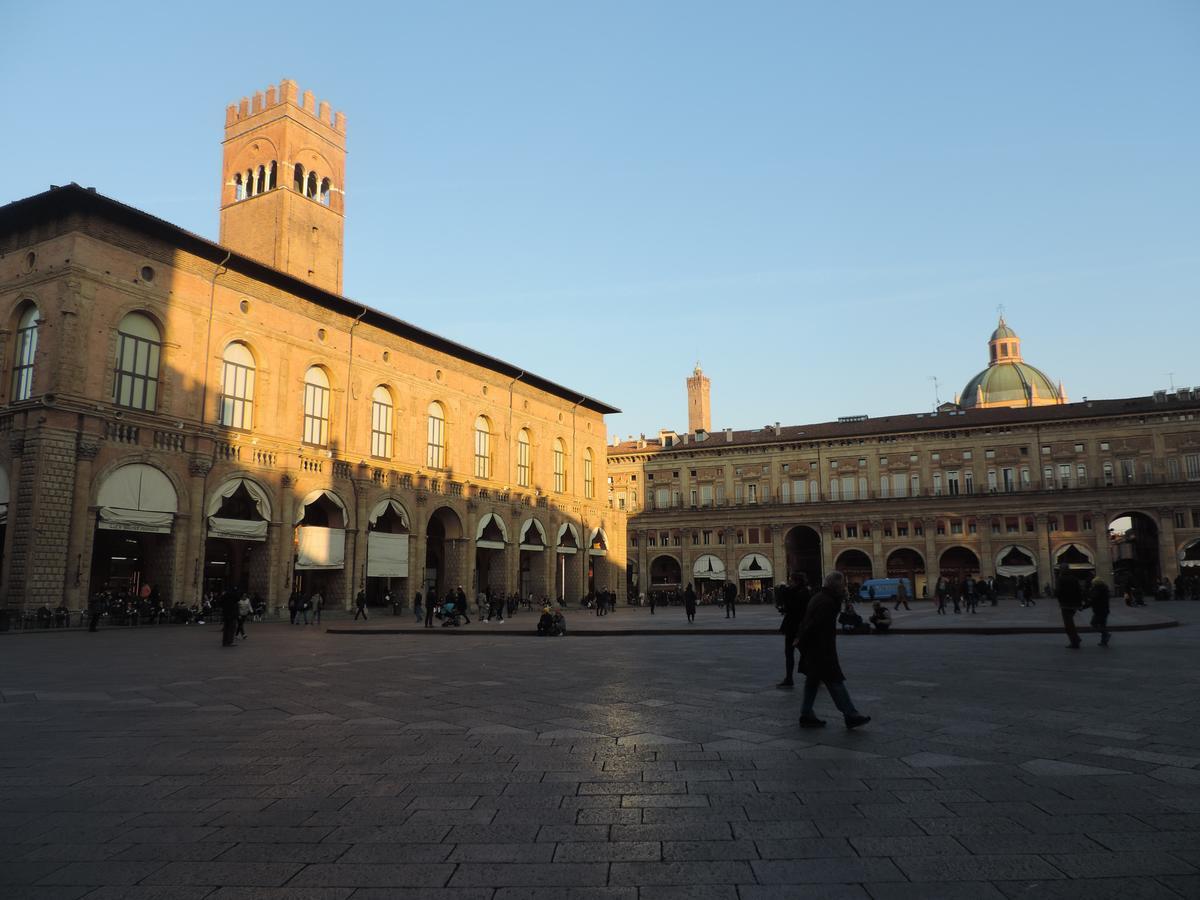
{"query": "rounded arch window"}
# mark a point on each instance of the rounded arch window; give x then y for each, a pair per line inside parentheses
(316, 407)
(310, 189)
(483, 448)
(325, 191)
(560, 466)
(139, 351)
(26, 350)
(589, 484)
(298, 178)
(435, 445)
(237, 387)
(381, 422)
(523, 469)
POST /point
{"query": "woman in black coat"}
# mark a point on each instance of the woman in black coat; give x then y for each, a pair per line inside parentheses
(793, 603)
(817, 641)
(689, 603)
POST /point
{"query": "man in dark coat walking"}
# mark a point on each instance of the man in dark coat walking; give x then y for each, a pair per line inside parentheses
(793, 603)
(360, 605)
(817, 641)
(1070, 601)
(730, 593)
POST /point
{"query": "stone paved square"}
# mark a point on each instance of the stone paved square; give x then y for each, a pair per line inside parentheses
(308, 764)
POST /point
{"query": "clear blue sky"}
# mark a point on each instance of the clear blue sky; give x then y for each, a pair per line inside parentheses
(823, 202)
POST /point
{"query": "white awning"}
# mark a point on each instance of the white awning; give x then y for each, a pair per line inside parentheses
(237, 529)
(1083, 557)
(229, 488)
(135, 520)
(709, 566)
(137, 497)
(563, 530)
(320, 548)
(754, 565)
(383, 506)
(313, 497)
(387, 555)
(1016, 569)
(533, 525)
(489, 544)
(598, 537)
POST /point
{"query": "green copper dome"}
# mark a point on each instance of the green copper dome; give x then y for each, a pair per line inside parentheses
(1009, 384)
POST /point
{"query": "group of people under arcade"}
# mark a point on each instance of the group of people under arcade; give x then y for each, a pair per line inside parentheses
(145, 606)
(965, 594)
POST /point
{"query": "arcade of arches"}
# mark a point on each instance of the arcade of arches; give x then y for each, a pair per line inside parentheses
(142, 525)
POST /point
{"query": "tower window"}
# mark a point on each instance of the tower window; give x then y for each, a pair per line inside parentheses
(298, 179)
(239, 187)
(261, 184)
(311, 186)
(325, 191)
(272, 182)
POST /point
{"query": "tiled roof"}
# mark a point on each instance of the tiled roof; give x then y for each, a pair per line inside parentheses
(914, 423)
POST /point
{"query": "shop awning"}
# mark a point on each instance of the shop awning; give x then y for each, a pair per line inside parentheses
(313, 497)
(237, 529)
(1074, 556)
(710, 567)
(490, 543)
(320, 548)
(568, 532)
(137, 497)
(387, 555)
(754, 565)
(533, 528)
(382, 507)
(598, 542)
(1015, 561)
(261, 503)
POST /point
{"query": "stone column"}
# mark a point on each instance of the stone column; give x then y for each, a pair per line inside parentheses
(826, 548)
(285, 554)
(416, 564)
(1103, 555)
(1168, 555)
(878, 558)
(8, 596)
(731, 557)
(187, 579)
(1045, 563)
(358, 574)
(778, 554)
(987, 563)
(79, 550)
(933, 569)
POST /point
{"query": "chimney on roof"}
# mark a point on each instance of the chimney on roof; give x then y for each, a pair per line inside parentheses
(777, 430)
(729, 435)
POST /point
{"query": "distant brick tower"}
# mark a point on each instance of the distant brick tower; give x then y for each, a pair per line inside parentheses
(283, 184)
(699, 408)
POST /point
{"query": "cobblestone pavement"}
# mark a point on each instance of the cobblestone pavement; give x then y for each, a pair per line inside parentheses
(308, 765)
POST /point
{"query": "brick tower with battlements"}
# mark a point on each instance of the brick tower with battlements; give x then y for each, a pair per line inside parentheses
(283, 179)
(699, 408)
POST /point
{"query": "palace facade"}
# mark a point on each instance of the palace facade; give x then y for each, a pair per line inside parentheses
(187, 415)
(1010, 480)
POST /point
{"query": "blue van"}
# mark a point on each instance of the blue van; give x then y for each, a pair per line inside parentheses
(885, 588)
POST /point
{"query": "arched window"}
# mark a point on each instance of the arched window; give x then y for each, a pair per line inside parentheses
(435, 448)
(560, 466)
(325, 191)
(311, 191)
(261, 184)
(381, 423)
(523, 458)
(483, 448)
(250, 186)
(26, 349)
(139, 347)
(239, 187)
(589, 484)
(298, 179)
(316, 407)
(272, 181)
(237, 387)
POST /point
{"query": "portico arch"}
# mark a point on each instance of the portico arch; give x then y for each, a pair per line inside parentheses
(133, 547)
(491, 540)
(445, 552)
(532, 544)
(321, 521)
(388, 539)
(235, 551)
